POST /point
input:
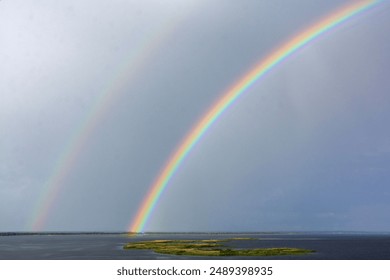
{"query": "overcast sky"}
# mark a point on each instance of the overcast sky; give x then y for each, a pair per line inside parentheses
(306, 148)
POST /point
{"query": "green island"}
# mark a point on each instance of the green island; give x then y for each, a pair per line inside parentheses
(209, 247)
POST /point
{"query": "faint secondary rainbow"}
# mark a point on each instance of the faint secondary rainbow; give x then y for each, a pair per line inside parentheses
(228, 98)
(65, 162)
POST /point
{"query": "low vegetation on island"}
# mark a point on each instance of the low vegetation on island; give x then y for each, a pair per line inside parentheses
(209, 247)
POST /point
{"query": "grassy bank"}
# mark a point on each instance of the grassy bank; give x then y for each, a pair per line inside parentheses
(208, 247)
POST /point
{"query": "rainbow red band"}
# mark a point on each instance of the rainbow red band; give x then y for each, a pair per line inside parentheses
(228, 98)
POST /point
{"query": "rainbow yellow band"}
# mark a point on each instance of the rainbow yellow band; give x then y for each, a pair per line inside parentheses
(267, 64)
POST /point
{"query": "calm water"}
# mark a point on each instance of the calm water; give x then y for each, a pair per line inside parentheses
(336, 246)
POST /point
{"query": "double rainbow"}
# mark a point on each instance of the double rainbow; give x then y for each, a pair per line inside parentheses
(228, 98)
(137, 57)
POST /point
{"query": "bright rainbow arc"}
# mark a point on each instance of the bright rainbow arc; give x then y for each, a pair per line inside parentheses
(267, 64)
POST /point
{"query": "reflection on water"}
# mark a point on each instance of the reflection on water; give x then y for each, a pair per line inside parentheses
(95, 246)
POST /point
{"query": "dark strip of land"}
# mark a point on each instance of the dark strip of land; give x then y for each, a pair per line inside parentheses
(210, 247)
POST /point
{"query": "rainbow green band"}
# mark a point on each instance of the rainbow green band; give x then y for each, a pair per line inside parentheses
(228, 98)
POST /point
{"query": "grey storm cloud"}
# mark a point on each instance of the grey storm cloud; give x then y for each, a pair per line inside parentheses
(305, 148)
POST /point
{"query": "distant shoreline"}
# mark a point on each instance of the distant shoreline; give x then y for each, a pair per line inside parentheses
(17, 233)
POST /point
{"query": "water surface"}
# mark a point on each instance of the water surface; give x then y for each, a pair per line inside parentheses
(108, 246)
